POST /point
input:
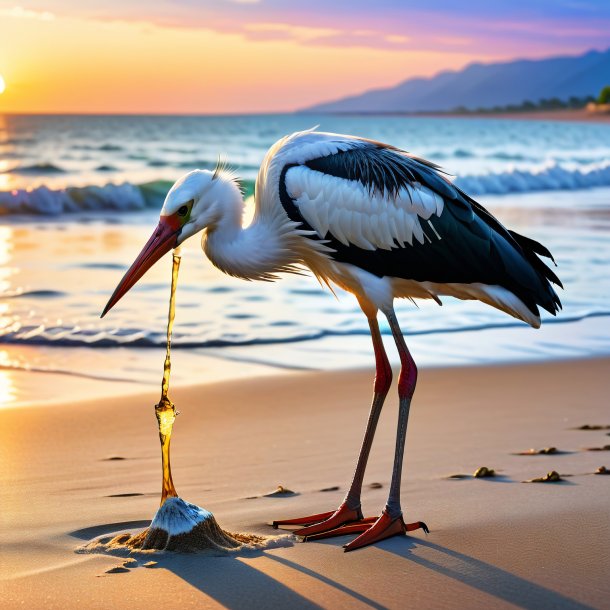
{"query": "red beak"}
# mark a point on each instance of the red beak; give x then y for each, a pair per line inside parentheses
(162, 240)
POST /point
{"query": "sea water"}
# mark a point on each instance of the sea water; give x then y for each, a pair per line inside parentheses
(79, 196)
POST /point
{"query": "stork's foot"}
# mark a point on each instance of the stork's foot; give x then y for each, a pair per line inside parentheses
(323, 522)
(371, 530)
(381, 528)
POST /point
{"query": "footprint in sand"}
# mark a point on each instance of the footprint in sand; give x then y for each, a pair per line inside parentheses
(592, 427)
(117, 570)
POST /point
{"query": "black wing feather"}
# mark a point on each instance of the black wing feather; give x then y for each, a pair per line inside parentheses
(474, 246)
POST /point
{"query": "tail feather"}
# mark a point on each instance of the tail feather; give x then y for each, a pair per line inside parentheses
(531, 250)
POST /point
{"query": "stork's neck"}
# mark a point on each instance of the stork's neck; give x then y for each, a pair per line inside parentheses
(257, 252)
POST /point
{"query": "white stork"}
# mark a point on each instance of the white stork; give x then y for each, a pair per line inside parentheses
(381, 224)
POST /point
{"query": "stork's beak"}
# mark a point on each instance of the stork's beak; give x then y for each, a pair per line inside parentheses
(163, 239)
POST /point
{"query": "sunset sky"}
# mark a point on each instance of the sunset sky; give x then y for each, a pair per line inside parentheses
(241, 56)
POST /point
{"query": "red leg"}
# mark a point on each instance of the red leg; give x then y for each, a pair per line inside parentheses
(390, 522)
(349, 512)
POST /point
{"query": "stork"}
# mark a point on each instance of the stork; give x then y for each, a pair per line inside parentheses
(378, 222)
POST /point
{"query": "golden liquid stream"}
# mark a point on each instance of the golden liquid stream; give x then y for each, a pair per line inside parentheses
(165, 410)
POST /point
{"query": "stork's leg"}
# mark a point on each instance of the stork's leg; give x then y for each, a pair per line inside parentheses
(350, 511)
(390, 522)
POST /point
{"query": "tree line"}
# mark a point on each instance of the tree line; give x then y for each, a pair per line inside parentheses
(553, 103)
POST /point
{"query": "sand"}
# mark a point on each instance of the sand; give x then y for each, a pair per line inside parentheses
(494, 542)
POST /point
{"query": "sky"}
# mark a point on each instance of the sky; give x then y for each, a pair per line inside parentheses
(247, 56)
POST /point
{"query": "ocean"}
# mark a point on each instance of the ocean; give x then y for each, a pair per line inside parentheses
(79, 196)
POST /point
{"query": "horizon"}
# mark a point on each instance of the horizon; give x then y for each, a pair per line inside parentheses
(238, 113)
(260, 57)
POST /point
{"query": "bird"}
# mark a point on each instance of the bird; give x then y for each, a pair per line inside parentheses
(378, 222)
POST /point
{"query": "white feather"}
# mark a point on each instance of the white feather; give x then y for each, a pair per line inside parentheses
(347, 210)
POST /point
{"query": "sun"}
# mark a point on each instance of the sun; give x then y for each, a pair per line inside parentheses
(2, 84)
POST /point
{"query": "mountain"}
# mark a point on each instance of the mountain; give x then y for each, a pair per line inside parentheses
(485, 85)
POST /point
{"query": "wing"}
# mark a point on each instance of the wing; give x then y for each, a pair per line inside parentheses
(396, 215)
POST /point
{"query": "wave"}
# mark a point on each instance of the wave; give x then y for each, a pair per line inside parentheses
(553, 177)
(63, 336)
(126, 197)
(108, 147)
(129, 197)
(36, 168)
(40, 294)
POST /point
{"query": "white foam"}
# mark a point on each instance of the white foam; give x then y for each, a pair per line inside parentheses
(552, 176)
(46, 202)
(176, 516)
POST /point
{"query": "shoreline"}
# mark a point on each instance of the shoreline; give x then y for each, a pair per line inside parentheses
(493, 542)
(563, 115)
(141, 368)
(568, 115)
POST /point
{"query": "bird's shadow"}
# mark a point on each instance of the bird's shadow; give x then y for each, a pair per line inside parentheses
(480, 575)
(216, 577)
(263, 590)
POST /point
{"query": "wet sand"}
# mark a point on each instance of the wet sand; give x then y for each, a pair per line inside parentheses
(494, 542)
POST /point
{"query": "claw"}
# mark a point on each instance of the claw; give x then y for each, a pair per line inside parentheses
(384, 527)
(417, 525)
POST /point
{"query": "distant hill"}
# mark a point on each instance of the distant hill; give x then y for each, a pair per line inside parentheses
(485, 85)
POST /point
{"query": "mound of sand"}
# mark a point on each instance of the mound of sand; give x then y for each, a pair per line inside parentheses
(184, 527)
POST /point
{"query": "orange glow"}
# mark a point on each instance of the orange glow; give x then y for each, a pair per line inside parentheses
(69, 64)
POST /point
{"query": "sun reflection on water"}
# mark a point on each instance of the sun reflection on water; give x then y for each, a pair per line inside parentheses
(6, 251)
(8, 391)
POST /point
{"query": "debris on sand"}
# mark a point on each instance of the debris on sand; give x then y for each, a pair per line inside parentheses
(602, 470)
(550, 477)
(479, 473)
(483, 471)
(543, 451)
(280, 491)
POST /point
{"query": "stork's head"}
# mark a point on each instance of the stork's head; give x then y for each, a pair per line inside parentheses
(196, 201)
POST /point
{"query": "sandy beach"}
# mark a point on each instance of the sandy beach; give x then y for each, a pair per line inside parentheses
(493, 543)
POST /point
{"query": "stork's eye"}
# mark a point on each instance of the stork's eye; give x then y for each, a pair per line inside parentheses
(183, 211)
